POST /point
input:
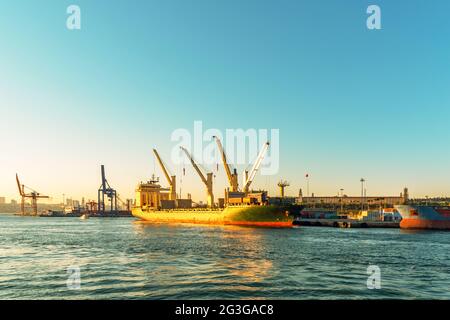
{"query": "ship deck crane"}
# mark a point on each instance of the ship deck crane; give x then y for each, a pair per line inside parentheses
(208, 181)
(232, 177)
(33, 195)
(249, 177)
(171, 179)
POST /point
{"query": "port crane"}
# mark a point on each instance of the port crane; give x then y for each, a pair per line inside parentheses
(106, 190)
(208, 181)
(250, 176)
(33, 195)
(171, 179)
(232, 176)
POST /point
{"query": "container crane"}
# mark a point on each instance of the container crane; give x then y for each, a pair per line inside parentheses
(170, 179)
(106, 190)
(249, 177)
(232, 177)
(208, 181)
(33, 195)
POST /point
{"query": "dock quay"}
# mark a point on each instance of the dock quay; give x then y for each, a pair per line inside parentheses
(60, 214)
(346, 223)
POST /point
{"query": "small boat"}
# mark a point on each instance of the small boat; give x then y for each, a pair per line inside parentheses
(84, 216)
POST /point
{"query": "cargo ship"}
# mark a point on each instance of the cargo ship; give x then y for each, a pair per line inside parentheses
(424, 217)
(245, 208)
(256, 209)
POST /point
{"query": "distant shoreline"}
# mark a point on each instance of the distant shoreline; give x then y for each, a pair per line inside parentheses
(15, 208)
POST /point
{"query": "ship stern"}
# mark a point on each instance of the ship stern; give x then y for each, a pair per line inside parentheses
(261, 216)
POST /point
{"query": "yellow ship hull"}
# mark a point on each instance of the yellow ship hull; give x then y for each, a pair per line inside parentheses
(262, 216)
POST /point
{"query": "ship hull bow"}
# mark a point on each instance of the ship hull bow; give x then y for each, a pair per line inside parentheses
(423, 217)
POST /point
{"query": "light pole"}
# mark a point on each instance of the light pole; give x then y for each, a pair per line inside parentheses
(342, 200)
(362, 193)
(307, 184)
(365, 199)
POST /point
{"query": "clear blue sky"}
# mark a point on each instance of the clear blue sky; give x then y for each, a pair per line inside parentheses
(349, 102)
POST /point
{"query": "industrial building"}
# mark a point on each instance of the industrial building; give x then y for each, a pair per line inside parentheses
(354, 200)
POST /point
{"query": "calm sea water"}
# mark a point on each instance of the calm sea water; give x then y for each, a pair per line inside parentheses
(125, 259)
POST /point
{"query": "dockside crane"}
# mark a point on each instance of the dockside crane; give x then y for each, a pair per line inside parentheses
(232, 176)
(106, 190)
(33, 195)
(170, 178)
(250, 176)
(208, 181)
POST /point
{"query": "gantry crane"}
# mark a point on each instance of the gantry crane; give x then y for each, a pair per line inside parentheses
(232, 177)
(283, 184)
(33, 195)
(208, 181)
(106, 190)
(249, 177)
(170, 179)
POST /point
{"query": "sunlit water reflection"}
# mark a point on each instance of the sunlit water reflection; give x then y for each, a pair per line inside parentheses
(125, 259)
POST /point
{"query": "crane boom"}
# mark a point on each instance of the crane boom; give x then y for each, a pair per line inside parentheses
(224, 158)
(208, 181)
(170, 179)
(194, 165)
(232, 177)
(19, 186)
(34, 195)
(163, 168)
(256, 165)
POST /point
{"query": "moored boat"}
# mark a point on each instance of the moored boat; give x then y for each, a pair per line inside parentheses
(243, 215)
(424, 217)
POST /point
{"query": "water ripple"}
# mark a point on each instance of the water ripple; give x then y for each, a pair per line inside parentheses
(125, 259)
